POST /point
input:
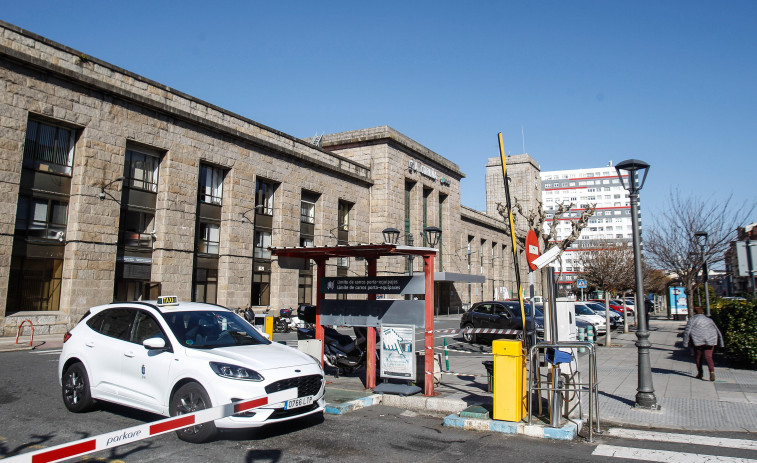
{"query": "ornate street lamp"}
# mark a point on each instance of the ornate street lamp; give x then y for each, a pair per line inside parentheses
(633, 180)
(391, 235)
(701, 237)
(432, 235)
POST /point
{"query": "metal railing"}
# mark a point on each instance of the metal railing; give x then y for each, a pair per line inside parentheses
(555, 390)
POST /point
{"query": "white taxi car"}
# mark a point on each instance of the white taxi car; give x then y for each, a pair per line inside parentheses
(171, 358)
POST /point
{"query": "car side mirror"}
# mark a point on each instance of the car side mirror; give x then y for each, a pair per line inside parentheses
(154, 343)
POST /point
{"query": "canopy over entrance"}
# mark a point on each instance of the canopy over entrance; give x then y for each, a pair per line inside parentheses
(371, 253)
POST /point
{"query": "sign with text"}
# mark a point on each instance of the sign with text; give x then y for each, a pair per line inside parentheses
(372, 313)
(374, 285)
(398, 351)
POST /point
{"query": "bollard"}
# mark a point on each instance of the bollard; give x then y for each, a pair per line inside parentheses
(590, 334)
(446, 354)
(581, 337)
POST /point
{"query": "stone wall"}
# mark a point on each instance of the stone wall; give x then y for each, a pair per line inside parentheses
(111, 109)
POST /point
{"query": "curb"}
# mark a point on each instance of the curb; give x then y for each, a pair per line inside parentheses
(567, 432)
(352, 405)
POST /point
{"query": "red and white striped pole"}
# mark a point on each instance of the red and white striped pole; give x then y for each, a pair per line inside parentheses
(145, 431)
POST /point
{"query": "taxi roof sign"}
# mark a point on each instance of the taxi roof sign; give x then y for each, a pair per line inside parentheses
(168, 300)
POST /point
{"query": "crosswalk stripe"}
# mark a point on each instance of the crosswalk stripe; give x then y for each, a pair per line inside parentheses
(632, 453)
(45, 352)
(744, 444)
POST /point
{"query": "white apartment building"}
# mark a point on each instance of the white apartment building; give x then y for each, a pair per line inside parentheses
(583, 187)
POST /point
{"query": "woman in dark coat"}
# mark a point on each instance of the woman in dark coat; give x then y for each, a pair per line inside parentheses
(704, 336)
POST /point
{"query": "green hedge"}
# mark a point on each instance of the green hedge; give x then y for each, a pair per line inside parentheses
(737, 321)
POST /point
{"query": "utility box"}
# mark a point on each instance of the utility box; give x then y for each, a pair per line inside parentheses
(566, 322)
(264, 324)
(509, 380)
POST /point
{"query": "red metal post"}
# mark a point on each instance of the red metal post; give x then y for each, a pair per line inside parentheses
(370, 364)
(428, 267)
(319, 296)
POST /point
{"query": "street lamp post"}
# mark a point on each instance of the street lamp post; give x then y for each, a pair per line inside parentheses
(701, 237)
(633, 182)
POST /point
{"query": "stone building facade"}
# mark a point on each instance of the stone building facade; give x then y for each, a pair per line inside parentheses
(115, 187)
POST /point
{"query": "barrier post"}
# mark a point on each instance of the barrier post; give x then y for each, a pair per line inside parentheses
(31, 341)
(446, 355)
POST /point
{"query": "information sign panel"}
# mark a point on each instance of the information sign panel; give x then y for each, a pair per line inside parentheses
(398, 352)
(374, 285)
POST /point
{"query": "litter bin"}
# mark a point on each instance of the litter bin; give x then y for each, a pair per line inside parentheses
(509, 385)
(489, 364)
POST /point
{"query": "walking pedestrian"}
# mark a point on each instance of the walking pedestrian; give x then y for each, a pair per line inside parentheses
(704, 335)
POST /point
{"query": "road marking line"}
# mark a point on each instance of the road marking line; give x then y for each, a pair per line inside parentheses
(663, 455)
(45, 352)
(745, 444)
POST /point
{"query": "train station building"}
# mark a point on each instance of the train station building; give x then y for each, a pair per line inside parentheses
(116, 187)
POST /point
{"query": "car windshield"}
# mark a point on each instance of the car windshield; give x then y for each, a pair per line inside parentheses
(583, 310)
(212, 328)
(599, 307)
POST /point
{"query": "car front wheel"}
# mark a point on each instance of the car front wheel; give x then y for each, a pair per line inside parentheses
(192, 397)
(469, 337)
(75, 390)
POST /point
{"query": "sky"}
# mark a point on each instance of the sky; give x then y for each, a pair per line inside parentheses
(576, 84)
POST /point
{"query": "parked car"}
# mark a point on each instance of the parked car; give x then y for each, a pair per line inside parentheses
(539, 320)
(615, 306)
(171, 358)
(615, 317)
(588, 315)
(493, 314)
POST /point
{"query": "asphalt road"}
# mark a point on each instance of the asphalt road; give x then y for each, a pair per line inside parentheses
(33, 417)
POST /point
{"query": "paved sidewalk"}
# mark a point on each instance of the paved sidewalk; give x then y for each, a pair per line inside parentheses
(728, 404)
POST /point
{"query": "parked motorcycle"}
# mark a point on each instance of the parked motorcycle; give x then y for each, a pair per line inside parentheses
(340, 351)
(292, 321)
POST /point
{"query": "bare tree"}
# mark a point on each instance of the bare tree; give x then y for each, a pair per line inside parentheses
(670, 243)
(535, 219)
(608, 265)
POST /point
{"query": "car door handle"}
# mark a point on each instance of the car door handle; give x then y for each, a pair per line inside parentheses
(90, 344)
(129, 354)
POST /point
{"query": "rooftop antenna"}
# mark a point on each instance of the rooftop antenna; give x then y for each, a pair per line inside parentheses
(523, 137)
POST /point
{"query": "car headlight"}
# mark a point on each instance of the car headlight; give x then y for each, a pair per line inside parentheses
(227, 370)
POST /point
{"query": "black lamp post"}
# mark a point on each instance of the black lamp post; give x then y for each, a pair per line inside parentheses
(633, 181)
(701, 237)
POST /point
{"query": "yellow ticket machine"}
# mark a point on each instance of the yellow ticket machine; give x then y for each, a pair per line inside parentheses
(509, 380)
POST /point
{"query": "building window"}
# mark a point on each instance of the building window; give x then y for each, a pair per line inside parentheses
(305, 289)
(307, 207)
(137, 228)
(264, 197)
(262, 243)
(142, 170)
(49, 148)
(206, 285)
(34, 284)
(41, 218)
(211, 184)
(344, 215)
(209, 238)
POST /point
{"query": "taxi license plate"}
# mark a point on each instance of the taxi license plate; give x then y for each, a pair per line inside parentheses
(298, 402)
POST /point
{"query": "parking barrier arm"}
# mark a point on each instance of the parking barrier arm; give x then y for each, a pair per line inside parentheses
(145, 431)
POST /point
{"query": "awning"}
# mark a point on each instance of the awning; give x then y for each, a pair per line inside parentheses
(459, 277)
